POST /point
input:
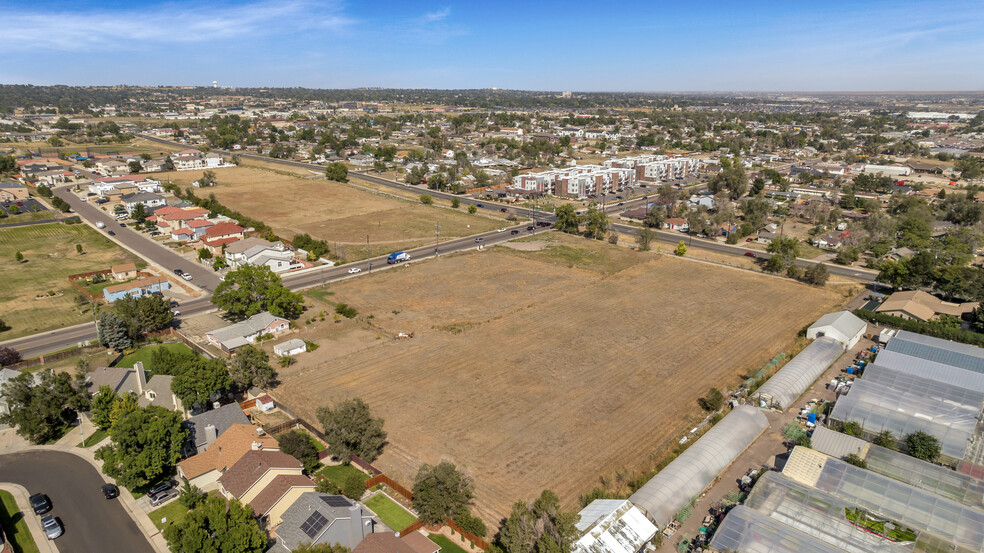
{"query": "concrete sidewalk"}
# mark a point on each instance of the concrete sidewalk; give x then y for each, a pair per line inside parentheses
(33, 521)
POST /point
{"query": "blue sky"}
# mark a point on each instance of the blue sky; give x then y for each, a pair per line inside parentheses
(533, 45)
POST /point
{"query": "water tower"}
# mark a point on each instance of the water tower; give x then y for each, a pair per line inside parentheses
(215, 84)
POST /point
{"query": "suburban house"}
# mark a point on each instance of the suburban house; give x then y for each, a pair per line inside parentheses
(257, 251)
(205, 468)
(205, 428)
(290, 347)
(13, 192)
(141, 184)
(388, 542)
(320, 518)
(245, 332)
(140, 287)
(279, 495)
(222, 231)
(125, 271)
(831, 241)
(155, 391)
(249, 476)
(146, 199)
(193, 230)
(51, 178)
(677, 223)
(110, 166)
(168, 217)
(613, 526)
(917, 305)
(187, 160)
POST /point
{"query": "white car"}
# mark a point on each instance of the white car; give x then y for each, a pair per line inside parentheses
(501, 230)
(354, 270)
(186, 276)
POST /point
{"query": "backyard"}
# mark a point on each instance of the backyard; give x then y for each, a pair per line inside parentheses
(545, 367)
(36, 295)
(390, 512)
(144, 354)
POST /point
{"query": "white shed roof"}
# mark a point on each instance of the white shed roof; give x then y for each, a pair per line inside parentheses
(844, 323)
(613, 526)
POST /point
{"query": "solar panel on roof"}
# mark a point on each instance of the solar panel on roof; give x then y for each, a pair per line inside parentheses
(313, 525)
(335, 501)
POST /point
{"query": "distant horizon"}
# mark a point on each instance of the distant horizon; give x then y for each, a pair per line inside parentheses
(635, 45)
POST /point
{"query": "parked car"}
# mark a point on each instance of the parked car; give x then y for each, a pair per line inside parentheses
(162, 497)
(480, 239)
(354, 270)
(179, 272)
(123, 225)
(111, 233)
(750, 254)
(174, 303)
(501, 230)
(186, 276)
(155, 233)
(162, 487)
(40, 503)
(530, 228)
(110, 491)
(175, 312)
(749, 240)
(504, 210)
(52, 527)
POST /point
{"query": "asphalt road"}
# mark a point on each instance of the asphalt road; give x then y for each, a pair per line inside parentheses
(91, 522)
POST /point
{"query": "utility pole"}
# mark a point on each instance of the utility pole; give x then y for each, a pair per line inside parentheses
(437, 233)
(368, 255)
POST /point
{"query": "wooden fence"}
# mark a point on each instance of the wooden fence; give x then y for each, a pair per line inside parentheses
(362, 464)
(281, 428)
(416, 525)
(73, 278)
(44, 359)
(468, 536)
(248, 404)
(383, 479)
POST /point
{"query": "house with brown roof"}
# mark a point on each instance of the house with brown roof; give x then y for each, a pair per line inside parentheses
(203, 470)
(136, 288)
(388, 542)
(252, 473)
(223, 230)
(919, 306)
(279, 495)
(126, 271)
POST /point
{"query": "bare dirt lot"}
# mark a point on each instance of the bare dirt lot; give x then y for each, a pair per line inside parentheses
(331, 211)
(543, 369)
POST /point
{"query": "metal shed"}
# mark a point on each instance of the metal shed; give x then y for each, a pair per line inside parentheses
(747, 531)
(930, 369)
(837, 444)
(796, 376)
(938, 350)
(688, 475)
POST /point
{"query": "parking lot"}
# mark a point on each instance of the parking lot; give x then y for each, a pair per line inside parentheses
(21, 206)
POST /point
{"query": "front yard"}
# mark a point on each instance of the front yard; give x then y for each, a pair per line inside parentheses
(172, 512)
(13, 523)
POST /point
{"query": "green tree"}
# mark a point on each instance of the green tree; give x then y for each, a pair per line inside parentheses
(164, 360)
(112, 331)
(190, 496)
(146, 443)
(354, 487)
(168, 164)
(455, 203)
(134, 166)
(78, 249)
(8, 356)
(542, 527)
(731, 178)
(204, 253)
(41, 410)
(655, 218)
(472, 209)
(713, 401)
(214, 527)
(976, 319)
(595, 223)
(886, 439)
(202, 379)
(470, 523)
(336, 171)
(426, 199)
(250, 366)
(847, 256)
(922, 446)
(139, 213)
(102, 406)
(18, 257)
(816, 274)
(785, 250)
(681, 249)
(61, 204)
(567, 219)
(298, 445)
(143, 314)
(123, 406)
(439, 492)
(856, 460)
(250, 290)
(350, 430)
(207, 180)
(644, 238)
(852, 428)
(7, 164)
(44, 191)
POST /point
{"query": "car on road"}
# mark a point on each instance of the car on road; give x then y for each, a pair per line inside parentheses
(40, 503)
(479, 205)
(52, 527)
(175, 312)
(530, 228)
(480, 239)
(503, 229)
(155, 233)
(514, 231)
(179, 272)
(504, 210)
(173, 303)
(750, 254)
(123, 225)
(354, 270)
(111, 233)
(110, 491)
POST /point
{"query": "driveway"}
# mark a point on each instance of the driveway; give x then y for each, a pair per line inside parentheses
(91, 522)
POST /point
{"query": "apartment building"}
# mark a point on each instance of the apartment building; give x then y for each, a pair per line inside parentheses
(577, 182)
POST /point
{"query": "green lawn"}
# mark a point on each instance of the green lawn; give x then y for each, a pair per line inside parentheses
(15, 526)
(173, 512)
(391, 513)
(340, 473)
(49, 257)
(143, 354)
(94, 439)
(447, 546)
(97, 289)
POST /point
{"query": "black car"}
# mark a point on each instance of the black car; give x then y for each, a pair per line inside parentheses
(529, 228)
(160, 488)
(179, 272)
(40, 503)
(123, 225)
(479, 205)
(110, 491)
(515, 231)
(111, 233)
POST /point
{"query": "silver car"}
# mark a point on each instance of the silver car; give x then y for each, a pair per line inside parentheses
(52, 527)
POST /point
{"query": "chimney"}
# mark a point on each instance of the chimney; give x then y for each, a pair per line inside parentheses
(355, 524)
(210, 434)
(141, 377)
(257, 446)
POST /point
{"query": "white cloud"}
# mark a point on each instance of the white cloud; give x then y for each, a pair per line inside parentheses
(159, 24)
(438, 15)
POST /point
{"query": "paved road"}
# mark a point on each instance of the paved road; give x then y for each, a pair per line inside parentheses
(91, 522)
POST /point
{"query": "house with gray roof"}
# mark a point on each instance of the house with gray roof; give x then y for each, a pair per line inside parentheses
(246, 332)
(147, 199)
(203, 429)
(153, 391)
(321, 518)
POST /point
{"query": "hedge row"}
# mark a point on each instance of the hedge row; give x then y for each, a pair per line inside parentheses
(929, 329)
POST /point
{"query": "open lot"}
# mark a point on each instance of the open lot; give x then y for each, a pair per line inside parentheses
(546, 367)
(49, 257)
(335, 212)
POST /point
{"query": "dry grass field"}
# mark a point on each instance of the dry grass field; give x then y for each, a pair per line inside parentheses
(544, 369)
(50, 256)
(334, 212)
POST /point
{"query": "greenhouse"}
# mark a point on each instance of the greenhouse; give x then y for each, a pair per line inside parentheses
(748, 531)
(938, 350)
(924, 387)
(941, 481)
(793, 379)
(838, 444)
(930, 369)
(816, 514)
(878, 408)
(696, 468)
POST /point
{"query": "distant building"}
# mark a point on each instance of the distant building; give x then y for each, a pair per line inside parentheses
(137, 288)
(613, 526)
(917, 305)
(246, 332)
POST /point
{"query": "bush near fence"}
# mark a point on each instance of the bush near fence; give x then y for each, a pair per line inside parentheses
(383, 479)
(468, 536)
(51, 357)
(80, 276)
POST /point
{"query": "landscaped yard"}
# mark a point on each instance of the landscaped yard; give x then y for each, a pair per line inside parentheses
(97, 289)
(390, 512)
(173, 512)
(447, 546)
(14, 525)
(144, 354)
(339, 474)
(95, 438)
(26, 298)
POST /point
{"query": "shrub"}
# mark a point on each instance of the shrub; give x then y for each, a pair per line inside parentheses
(346, 310)
(426, 199)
